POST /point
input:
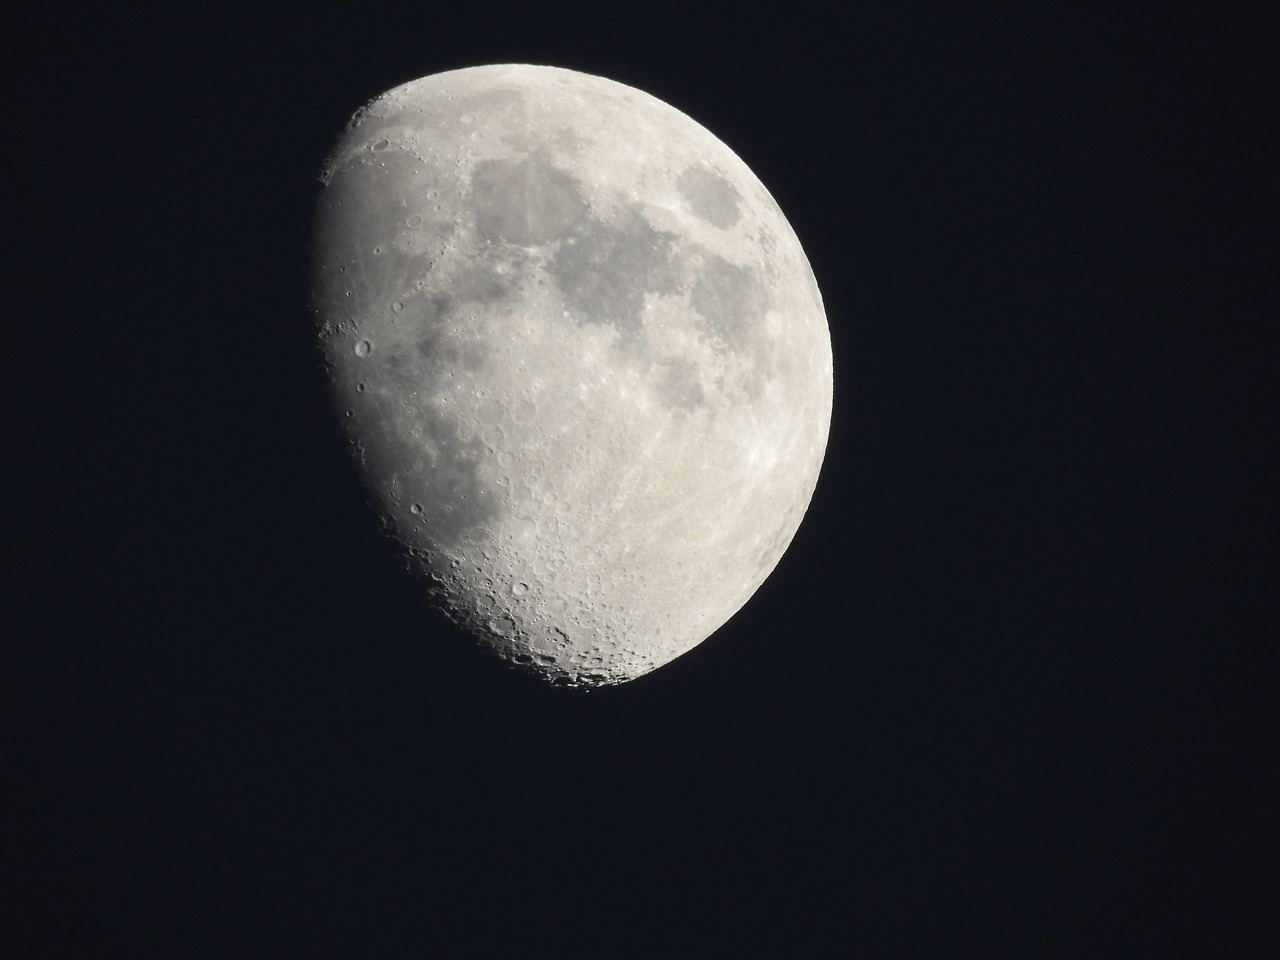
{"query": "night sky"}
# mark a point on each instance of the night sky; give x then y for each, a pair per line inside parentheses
(997, 700)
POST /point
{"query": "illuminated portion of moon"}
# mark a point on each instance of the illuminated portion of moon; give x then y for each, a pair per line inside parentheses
(581, 358)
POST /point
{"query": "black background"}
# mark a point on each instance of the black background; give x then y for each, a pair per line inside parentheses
(997, 699)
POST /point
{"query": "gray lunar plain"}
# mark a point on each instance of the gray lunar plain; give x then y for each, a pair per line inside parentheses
(581, 358)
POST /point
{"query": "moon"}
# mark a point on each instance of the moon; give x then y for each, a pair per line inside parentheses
(580, 357)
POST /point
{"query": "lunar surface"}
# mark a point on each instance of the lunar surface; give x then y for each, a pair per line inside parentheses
(581, 359)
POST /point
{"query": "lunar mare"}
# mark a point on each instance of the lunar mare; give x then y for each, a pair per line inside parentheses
(580, 356)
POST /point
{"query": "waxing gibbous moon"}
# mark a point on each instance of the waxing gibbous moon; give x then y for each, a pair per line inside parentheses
(580, 356)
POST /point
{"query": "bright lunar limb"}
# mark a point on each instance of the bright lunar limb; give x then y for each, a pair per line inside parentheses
(580, 356)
